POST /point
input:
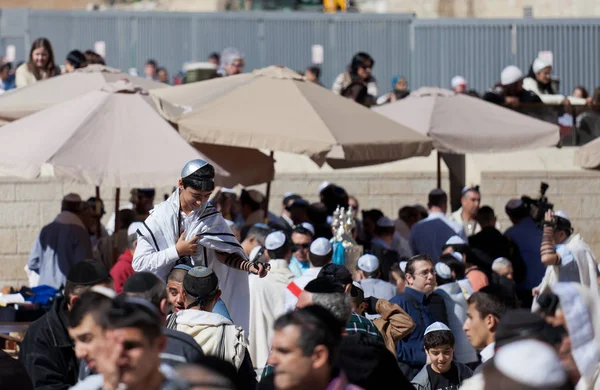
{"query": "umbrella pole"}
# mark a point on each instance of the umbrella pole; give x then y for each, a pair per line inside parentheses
(268, 196)
(98, 223)
(117, 227)
(439, 170)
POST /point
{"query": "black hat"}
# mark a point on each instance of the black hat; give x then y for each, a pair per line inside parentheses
(200, 282)
(337, 273)
(521, 323)
(147, 192)
(324, 285)
(88, 273)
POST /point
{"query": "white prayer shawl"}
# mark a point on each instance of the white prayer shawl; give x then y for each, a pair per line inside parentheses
(581, 308)
(267, 303)
(586, 264)
(156, 251)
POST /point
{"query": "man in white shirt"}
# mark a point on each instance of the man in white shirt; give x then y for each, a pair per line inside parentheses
(367, 275)
(187, 224)
(429, 235)
(466, 215)
(267, 297)
(319, 255)
(486, 309)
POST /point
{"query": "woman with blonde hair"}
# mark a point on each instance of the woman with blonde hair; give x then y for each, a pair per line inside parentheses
(40, 65)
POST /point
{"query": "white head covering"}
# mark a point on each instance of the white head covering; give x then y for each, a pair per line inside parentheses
(457, 256)
(530, 362)
(539, 64)
(436, 326)
(275, 240)
(455, 240)
(132, 229)
(323, 185)
(308, 227)
(192, 166)
(107, 292)
(402, 265)
(443, 271)
(510, 75)
(368, 263)
(562, 214)
(320, 247)
(230, 54)
(458, 80)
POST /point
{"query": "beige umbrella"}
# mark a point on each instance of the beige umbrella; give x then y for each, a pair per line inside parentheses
(275, 109)
(588, 155)
(20, 102)
(460, 123)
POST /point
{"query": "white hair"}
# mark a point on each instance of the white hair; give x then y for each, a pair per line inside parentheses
(500, 263)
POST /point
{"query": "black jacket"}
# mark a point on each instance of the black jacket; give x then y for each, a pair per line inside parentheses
(47, 351)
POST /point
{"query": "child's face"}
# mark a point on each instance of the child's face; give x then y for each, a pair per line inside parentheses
(441, 358)
(507, 272)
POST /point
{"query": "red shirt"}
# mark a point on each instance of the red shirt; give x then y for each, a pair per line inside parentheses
(122, 270)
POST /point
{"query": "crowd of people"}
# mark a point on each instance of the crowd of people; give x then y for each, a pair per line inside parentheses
(213, 291)
(209, 289)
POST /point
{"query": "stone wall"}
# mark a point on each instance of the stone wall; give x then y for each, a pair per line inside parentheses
(25, 207)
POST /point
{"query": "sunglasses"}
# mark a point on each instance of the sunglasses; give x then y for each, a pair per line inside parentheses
(297, 247)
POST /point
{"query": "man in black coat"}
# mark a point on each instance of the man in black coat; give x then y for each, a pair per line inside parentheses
(47, 350)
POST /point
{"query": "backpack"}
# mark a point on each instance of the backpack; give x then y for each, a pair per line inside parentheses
(233, 345)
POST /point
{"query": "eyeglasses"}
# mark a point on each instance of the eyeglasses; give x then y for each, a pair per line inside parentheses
(424, 274)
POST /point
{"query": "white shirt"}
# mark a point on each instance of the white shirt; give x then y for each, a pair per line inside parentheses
(488, 352)
(301, 282)
(378, 288)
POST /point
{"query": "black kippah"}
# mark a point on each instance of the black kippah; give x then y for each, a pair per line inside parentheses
(88, 273)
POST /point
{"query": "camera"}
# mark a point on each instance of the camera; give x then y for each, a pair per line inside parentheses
(538, 207)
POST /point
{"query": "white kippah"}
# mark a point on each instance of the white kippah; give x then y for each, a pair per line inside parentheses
(455, 240)
(436, 326)
(530, 362)
(308, 227)
(457, 80)
(368, 263)
(443, 271)
(403, 265)
(323, 185)
(457, 256)
(107, 292)
(562, 214)
(320, 247)
(500, 259)
(275, 240)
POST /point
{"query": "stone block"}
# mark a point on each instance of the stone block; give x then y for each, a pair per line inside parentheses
(591, 206)
(7, 192)
(422, 187)
(50, 190)
(498, 187)
(587, 186)
(84, 190)
(390, 187)
(12, 267)
(25, 239)
(8, 241)
(383, 203)
(572, 205)
(19, 214)
(48, 212)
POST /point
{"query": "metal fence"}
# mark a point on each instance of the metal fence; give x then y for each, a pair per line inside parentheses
(427, 52)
